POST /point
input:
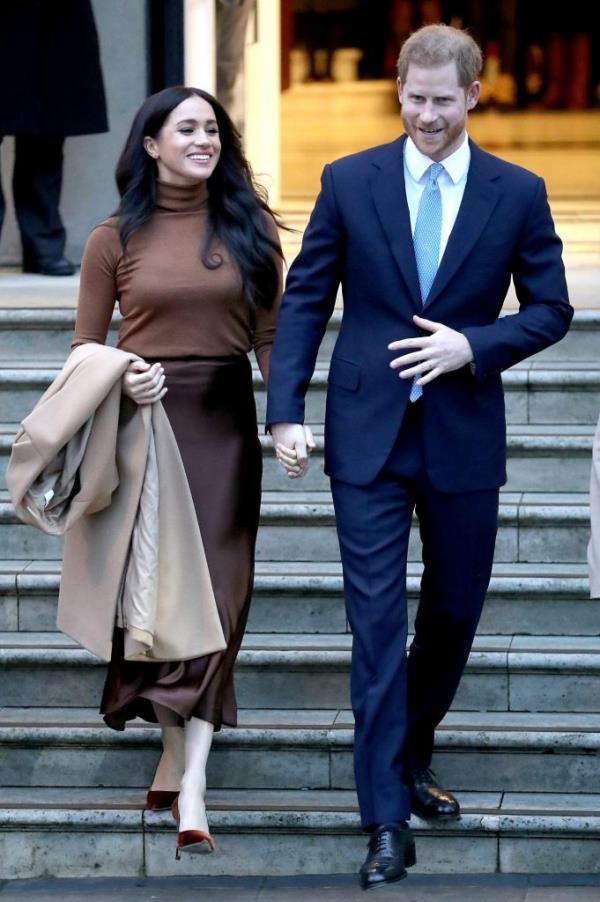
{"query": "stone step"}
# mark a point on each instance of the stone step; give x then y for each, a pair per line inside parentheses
(538, 457)
(21, 292)
(536, 392)
(303, 750)
(552, 599)
(29, 332)
(47, 334)
(537, 674)
(533, 527)
(101, 833)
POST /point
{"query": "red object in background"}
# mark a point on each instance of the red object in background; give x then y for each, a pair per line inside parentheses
(287, 40)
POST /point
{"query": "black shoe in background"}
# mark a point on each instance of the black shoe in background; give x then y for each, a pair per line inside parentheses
(57, 266)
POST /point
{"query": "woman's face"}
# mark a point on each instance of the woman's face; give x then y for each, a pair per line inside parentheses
(188, 147)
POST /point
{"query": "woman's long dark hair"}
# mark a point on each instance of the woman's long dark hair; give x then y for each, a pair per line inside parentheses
(237, 205)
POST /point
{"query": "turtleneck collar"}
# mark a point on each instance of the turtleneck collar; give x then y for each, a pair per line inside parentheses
(181, 198)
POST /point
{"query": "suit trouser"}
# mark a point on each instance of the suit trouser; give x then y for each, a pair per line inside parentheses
(36, 183)
(398, 700)
(232, 22)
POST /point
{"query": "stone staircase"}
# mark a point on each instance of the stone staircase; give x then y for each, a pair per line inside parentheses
(521, 745)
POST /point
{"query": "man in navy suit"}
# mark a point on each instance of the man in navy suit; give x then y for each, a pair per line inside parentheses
(415, 407)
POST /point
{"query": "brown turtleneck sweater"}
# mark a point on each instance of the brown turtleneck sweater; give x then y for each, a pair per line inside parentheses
(171, 304)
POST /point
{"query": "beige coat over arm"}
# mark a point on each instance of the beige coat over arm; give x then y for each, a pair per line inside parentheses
(91, 464)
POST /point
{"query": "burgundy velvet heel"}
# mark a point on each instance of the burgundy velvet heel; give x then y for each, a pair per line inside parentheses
(160, 800)
(194, 841)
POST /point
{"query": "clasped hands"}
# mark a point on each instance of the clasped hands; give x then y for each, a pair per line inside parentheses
(443, 351)
(293, 443)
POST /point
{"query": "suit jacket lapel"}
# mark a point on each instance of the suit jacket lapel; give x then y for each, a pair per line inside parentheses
(479, 199)
(389, 196)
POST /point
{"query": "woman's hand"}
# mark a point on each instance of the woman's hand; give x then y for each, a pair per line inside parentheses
(143, 383)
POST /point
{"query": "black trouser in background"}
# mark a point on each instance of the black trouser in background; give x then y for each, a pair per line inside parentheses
(36, 183)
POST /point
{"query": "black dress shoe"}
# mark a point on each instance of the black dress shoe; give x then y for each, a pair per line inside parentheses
(57, 266)
(391, 851)
(428, 799)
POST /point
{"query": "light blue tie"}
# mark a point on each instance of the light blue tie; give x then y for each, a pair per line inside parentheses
(426, 240)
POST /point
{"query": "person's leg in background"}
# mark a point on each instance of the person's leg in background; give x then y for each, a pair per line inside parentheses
(579, 60)
(506, 87)
(567, 58)
(37, 183)
(2, 201)
(232, 22)
(402, 18)
(372, 35)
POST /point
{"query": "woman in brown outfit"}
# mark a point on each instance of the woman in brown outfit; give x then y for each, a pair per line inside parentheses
(193, 259)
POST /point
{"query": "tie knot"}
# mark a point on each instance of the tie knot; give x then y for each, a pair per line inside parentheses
(435, 170)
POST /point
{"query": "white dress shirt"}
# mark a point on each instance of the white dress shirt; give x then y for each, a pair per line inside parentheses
(451, 181)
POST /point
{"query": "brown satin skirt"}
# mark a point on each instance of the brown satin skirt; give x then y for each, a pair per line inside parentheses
(210, 405)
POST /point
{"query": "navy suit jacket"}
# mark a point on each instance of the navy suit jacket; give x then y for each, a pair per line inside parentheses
(359, 234)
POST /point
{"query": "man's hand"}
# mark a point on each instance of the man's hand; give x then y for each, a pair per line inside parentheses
(443, 351)
(293, 444)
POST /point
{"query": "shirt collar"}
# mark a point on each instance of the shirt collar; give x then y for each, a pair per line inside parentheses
(456, 165)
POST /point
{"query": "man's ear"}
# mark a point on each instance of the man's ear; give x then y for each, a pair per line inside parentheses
(400, 87)
(150, 147)
(473, 95)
